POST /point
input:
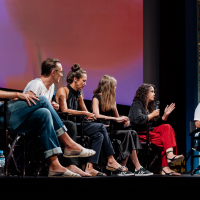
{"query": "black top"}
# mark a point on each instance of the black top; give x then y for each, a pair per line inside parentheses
(107, 113)
(139, 116)
(72, 102)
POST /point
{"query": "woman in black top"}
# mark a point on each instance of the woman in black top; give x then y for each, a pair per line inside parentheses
(143, 110)
(70, 98)
(104, 106)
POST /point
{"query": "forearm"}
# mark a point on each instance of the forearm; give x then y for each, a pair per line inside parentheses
(197, 124)
(103, 116)
(74, 112)
(9, 95)
(150, 116)
(164, 117)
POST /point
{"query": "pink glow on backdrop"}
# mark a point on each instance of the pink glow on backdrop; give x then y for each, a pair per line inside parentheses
(104, 37)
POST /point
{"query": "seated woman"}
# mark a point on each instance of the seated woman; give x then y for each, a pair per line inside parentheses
(104, 106)
(69, 98)
(38, 114)
(143, 110)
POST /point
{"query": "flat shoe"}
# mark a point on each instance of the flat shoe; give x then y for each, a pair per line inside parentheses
(83, 153)
(67, 173)
(118, 170)
(98, 174)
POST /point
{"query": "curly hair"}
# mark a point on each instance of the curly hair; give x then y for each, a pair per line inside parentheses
(141, 95)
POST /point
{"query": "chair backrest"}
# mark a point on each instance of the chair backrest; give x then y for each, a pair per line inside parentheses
(192, 126)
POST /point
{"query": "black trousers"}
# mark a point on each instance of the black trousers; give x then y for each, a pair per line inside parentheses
(100, 139)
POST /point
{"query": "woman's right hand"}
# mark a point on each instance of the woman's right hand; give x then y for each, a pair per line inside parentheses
(90, 116)
(121, 119)
(156, 113)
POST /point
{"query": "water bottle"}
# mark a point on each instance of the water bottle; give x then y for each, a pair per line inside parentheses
(2, 163)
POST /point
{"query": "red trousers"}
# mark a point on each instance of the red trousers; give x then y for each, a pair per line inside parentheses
(162, 136)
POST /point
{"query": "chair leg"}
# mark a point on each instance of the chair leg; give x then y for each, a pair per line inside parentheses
(6, 155)
(12, 147)
(23, 155)
(195, 170)
(153, 161)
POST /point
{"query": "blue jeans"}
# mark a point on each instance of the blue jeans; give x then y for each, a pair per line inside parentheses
(40, 117)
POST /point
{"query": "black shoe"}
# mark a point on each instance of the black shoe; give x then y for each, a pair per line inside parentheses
(143, 172)
(127, 173)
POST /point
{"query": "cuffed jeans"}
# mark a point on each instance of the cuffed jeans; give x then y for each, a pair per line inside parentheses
(41, 117)
(100, 139)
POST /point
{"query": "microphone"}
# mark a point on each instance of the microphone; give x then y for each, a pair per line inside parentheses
(157, 104)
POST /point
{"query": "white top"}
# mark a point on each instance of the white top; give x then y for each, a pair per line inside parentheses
(197, 113)
(38, 87)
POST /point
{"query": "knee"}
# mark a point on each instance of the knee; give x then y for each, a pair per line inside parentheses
(168, 126)
(43, 100)
(44, 114)
(100, 137)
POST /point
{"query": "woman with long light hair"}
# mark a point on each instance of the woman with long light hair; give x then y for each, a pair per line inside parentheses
(69, 99)
(104, 106)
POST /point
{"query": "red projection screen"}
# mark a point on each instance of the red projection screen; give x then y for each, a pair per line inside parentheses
(104, 37)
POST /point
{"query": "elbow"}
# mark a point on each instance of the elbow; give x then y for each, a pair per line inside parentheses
(197, 124)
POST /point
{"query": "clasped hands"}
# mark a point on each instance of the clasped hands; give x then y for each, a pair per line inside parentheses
(123, 119)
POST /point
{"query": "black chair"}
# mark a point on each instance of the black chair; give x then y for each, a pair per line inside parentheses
(82, 139)
(11, 143)
(150, 152)
(194, 137)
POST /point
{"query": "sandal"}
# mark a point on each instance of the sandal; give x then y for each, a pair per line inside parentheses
(118, 170)
(174, 159)
(83, 153)
(168, 174)
(98, 174)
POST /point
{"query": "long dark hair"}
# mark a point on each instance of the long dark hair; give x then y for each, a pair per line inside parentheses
(141, 95)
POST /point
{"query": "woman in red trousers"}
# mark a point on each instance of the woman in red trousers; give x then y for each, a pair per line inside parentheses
(143, 110)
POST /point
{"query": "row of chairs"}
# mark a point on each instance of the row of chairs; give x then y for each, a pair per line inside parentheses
(84, 140)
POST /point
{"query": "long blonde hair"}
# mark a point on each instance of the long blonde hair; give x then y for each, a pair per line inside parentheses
(106, 87)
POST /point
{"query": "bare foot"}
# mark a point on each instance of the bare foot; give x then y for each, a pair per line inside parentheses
(74, 147)
(90, 170)
(166, 169)
(115, 165)
(75, 169)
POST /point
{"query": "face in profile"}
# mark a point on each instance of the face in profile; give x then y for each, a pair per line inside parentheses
(81, 82)
(58, 73)
(151, 94)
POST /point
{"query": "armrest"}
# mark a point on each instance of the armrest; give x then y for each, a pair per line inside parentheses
(195, 131)
(4, 99)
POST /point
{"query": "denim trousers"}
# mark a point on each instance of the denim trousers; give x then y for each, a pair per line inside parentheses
(100, 139)
(40, 117)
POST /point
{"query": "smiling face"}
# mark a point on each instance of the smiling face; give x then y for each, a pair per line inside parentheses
(81, 82)
(151, 95)
(57, 73)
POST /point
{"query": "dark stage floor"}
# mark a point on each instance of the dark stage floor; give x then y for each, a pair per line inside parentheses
(102, 185)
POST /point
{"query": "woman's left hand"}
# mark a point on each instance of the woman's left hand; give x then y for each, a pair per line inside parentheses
(168, 110)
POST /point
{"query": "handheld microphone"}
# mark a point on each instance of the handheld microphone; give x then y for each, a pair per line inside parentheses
(157, 104)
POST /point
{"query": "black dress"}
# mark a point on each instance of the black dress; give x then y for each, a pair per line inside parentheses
(129, 139)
